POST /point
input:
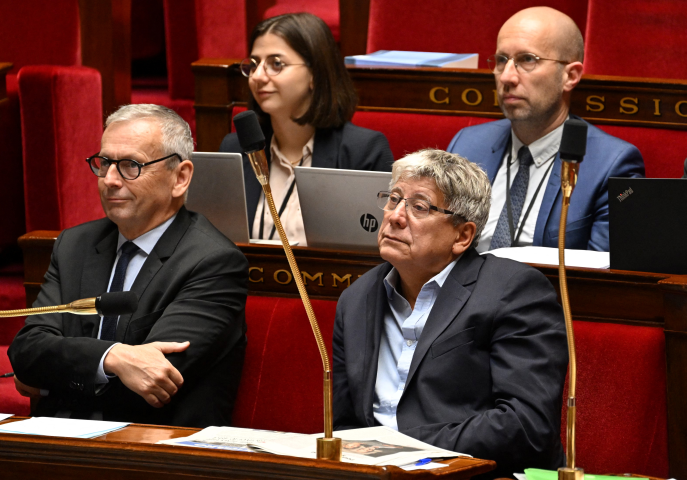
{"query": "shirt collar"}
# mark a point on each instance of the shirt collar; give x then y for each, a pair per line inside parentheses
(392, 278)
(276, 153)
(542, 149)
(148, 240)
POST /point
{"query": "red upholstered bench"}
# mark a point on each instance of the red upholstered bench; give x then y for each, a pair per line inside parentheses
(281, 385)
(12, 297)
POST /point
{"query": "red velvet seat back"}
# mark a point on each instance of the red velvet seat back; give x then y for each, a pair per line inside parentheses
(61, 112)
(327, 10)
(664, 151)
(621, 399)
(281, 385)
(452, 26)
(638, 38)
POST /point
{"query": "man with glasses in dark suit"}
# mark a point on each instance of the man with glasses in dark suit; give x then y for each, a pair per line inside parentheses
(463, 351)
(177, 359)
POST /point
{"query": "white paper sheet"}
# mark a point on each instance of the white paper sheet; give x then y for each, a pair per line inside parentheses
(4, 416)
(549, 256)
(62, 427)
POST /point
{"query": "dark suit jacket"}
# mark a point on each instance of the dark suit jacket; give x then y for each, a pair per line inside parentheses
(349, 147)
(192, 286)
(587, 224)
(487, 374)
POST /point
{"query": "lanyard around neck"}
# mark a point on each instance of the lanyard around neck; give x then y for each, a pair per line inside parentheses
(514, 238)
(281, 209)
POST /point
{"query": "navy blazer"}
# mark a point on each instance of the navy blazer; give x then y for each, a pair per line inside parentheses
(487, 374)
(587, 223)
(349, 147)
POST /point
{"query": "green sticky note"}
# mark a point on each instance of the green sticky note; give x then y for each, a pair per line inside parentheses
(538, 474)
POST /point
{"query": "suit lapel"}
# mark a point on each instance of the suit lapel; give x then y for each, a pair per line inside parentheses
(326, 148)
(451, 299)
(375, 310)
(553, 189)
(95, 277)
(498, 151)
(163, 250)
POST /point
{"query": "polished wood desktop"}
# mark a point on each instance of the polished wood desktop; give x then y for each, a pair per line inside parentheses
(614, 296)
(131, 453)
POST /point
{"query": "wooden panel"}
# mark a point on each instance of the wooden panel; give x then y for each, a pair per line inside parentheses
(354, 16)
(130, 453)
(106, 46)
(642, 102)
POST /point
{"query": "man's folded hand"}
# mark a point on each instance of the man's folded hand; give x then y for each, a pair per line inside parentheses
(26, 391)
(145, 370)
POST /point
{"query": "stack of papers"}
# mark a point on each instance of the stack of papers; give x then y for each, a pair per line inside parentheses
(62, 427)
(397, 58)
(549, 256)
(4, 416)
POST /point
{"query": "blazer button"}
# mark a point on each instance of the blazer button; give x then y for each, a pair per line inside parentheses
(75, 385)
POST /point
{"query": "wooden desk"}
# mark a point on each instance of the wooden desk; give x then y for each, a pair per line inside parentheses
(614, 296)
(131, 453)
(640, 102)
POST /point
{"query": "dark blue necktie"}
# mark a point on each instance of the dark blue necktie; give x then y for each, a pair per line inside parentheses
(109, 328)
(518, 192)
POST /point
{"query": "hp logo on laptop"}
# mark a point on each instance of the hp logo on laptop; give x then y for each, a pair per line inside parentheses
(369, 222)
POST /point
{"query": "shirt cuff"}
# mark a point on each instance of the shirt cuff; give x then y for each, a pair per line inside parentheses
(101, 377)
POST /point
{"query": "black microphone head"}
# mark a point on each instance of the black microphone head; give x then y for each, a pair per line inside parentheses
(574, 140)
(116, 303)
(249, 132)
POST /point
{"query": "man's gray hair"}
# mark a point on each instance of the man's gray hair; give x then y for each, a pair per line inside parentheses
(464, 185)
(176, 134)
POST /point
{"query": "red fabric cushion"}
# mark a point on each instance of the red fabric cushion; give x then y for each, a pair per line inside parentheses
(61, 115)
(182, 46)
(621, 399)
(281, 384)
(221, 28)
(641, 39)
(409, 132)
(452, 26)
(12, 297)
(40, 32)
(12, 193)
(664, 151)
(10, 400)
(327, 10)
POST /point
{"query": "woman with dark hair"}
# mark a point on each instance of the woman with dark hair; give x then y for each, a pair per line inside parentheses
(304, 98)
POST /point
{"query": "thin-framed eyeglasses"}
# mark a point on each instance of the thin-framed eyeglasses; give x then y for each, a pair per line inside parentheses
(273, 65)
(417, 207)
(525, 61)
(127, 168)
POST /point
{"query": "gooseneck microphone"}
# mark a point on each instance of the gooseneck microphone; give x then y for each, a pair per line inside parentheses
(107, 304)
(572, 150)
(252, 142)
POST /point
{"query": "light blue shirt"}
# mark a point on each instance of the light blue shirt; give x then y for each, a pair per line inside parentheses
(402, 330)
(145, 243)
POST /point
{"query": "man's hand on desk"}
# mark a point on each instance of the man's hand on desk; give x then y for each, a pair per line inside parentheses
(145, 370)
(26, 391)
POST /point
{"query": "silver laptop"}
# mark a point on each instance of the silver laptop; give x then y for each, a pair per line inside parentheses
(217, 191)
(339, 207)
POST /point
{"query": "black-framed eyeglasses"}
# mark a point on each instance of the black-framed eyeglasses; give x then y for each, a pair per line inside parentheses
(273, 65)
(417, 207)
(127, 168)
(526, 61)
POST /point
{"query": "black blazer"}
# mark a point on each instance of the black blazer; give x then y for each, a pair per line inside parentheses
(488, 371)
(192, 286)
(349, 147)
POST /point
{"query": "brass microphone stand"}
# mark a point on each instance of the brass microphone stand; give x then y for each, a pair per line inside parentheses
(78, 307)
(568, 180)
(328, 448)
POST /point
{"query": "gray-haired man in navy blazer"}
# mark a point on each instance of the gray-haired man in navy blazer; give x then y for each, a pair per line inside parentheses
(177, 359)
(462, 351)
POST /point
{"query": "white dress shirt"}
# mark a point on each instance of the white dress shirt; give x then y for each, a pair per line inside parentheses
(282, 174)
(543, 152)
(402, 329)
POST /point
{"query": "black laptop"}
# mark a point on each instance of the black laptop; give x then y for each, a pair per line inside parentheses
(648, 224)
